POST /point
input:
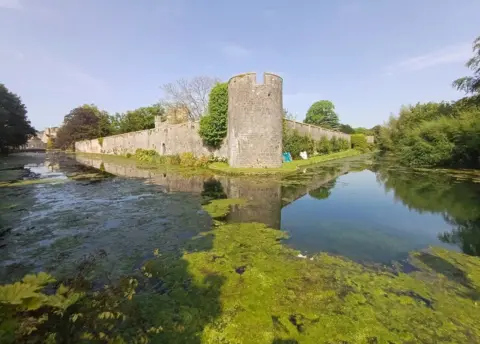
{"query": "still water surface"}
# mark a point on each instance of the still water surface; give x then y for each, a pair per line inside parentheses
(366, 211)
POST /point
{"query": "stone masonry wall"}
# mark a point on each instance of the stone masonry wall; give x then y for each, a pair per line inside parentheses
(166, 139)
(255, 121)
(314, 131)
(254, 138)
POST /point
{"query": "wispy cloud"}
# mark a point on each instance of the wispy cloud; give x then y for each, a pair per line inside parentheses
(11, 4)
(451, 54)
(235, 50)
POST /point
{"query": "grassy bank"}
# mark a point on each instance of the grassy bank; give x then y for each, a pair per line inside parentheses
(188, 164)
(288, 167)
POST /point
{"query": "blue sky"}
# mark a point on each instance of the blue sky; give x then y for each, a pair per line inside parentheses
(367, 56)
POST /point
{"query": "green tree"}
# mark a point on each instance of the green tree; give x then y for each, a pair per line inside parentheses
(471, 84)
(135, 120)
(83, 123)
(15, 128)
(346, 129)
(213, 126)
(322, 113)
(364, 131)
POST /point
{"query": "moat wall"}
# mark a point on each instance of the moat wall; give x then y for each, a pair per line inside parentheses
(166, 139)
(315, 132)
(254, 138)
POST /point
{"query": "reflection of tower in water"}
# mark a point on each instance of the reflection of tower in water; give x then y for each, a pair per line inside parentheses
(264, 201)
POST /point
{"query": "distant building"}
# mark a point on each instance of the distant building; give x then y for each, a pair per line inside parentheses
(41, 139)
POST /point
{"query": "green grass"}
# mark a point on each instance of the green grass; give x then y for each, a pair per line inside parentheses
(287, 167)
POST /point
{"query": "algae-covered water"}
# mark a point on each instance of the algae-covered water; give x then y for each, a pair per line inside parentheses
(366, 211)
(104, 218)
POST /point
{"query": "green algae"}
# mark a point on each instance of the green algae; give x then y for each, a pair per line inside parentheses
(31, 182)
(221, 207)
(238, 283)
(268, 293)
(90, 176)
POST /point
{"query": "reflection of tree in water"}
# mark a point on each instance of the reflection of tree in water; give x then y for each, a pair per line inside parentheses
(213, 189)
(439, 193)
(323, 192)
(466, 235)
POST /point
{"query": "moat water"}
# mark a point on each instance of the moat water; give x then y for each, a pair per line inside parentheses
(371, 212)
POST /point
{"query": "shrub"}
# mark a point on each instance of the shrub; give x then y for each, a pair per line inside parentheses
(172, 159)
(335, 144)
(202, 161)
(187, 159)
(344, 144)
(147, 155)
(213, 126)
(359, 142)
(444, 134)
(324, 146)
(295, 143)
(100, 141)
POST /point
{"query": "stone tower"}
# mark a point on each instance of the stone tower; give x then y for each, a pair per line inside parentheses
(255, 113)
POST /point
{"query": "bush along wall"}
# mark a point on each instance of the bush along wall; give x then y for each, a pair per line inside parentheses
(359, 142)
(295, 143)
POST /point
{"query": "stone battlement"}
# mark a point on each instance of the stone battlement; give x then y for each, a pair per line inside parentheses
(251, 79)
(254, 133)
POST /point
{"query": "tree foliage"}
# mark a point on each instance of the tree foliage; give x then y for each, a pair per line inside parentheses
(192, 94)
(359, 142)
(135, 120)
(471, 84)
(294, 143)
(322, 113)
(213, 126)
(435, 134)
(15, 128)
(83, 123)
(438, 134)
(346, 129)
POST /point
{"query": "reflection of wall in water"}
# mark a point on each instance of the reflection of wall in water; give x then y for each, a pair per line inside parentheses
(319, 179)
(263, 197)
(172, 182)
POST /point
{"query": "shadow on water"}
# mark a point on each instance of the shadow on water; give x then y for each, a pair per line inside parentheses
(440, 265)
(170, 304)
(284, 341)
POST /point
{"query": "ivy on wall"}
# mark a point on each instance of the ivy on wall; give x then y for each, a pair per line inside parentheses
(213, 126)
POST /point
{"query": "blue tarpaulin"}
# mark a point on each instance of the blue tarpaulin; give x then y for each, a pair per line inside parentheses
(287, 157)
